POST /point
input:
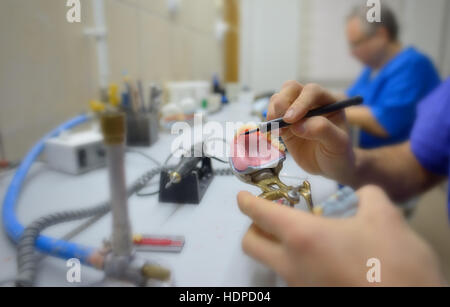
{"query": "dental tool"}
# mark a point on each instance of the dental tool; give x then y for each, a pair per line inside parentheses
(280, 123)
(188, 182)
(186, 165)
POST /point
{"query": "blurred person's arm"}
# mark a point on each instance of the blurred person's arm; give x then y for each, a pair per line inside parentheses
(321, 145)
(363, 118)
(396, 169)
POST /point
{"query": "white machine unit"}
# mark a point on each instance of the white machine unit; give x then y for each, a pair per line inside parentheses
(76, 153)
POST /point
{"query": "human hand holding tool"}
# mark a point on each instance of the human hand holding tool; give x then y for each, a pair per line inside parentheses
(320, 145)
(279, 123)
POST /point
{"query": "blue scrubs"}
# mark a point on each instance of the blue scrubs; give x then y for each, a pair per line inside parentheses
(393, 93)
(430, 138)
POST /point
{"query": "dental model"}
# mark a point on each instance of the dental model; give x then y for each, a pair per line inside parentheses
(257, 159)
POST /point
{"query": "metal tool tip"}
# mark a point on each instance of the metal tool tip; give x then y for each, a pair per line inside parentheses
(249, 132)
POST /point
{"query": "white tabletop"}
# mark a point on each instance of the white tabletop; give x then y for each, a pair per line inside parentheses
(212, 255)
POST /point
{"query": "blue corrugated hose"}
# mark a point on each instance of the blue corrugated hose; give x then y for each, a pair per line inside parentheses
(14, 229)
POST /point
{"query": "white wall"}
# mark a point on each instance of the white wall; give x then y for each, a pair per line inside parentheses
(424, 26)
(269, 42)
(311, 39)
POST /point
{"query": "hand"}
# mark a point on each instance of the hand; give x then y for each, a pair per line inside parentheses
(320, 145)
(309, 250)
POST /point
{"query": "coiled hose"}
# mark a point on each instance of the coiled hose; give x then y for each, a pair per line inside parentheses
(14, 228)
(26, 256)
(30, 237)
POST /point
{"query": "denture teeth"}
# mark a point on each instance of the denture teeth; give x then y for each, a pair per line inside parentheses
(274, 142)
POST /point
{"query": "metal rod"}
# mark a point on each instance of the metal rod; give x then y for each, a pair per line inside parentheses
(113, 127)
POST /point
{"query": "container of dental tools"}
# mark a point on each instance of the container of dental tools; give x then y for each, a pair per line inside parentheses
(142, 116)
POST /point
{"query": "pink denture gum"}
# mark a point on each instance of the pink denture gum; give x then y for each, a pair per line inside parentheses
(256, 150)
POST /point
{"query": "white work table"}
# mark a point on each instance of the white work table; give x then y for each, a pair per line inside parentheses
(212, 255)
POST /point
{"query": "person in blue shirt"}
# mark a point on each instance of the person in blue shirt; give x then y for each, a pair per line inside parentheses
(305, 249)
(394, 80)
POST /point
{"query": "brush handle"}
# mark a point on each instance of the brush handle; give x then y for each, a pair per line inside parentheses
(335, 107)
(270, 125)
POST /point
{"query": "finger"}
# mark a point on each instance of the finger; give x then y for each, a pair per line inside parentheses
(374, 203)
(371, 195)
(261, 247)
(321, 129)
(312, 96)
(271, 113)
(272, 218)
(281, 102)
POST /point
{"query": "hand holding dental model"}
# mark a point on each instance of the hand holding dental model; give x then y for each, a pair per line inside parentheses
(257, 159)
(305, 249)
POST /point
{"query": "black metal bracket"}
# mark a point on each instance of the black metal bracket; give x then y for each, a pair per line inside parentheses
(191, 189)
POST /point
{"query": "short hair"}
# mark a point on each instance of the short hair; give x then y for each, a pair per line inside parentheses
(388, 20)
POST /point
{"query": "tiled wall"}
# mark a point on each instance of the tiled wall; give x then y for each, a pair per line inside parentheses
(48, 67)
